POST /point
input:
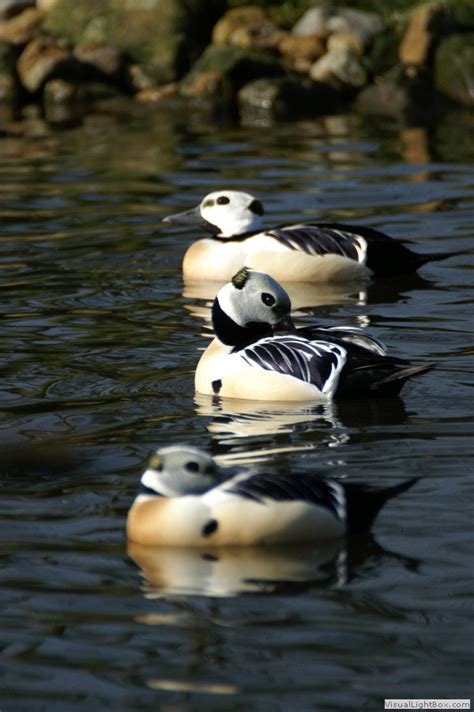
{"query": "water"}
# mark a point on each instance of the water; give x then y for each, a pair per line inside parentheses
(99, 342)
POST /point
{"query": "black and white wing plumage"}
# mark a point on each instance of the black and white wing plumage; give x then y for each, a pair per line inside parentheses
(322, 240)
(308, 488)
(348, 335)
(315, 362)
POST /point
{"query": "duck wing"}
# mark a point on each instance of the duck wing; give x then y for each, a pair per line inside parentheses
(262, 487)
(344, 335)
(319, 239)
(316, 362)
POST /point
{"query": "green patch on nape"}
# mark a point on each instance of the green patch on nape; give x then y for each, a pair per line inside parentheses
(239, 280)
(155, 463)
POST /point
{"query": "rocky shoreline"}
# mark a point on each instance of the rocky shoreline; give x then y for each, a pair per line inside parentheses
(258, 62)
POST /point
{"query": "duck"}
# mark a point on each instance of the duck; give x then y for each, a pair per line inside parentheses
(258, 353)
(306, 252)
(185, 501)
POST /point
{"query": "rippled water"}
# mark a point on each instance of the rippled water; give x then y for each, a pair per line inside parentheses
(99, 342)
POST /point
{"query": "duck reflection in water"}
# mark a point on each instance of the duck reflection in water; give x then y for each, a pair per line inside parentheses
(232, 571)
(245, 432)
(303, 295)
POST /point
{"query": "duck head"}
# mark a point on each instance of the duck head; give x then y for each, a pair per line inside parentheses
(179, 470)
(225, 213)
(249, 307)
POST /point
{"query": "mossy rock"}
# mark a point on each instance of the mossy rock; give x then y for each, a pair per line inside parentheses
(166, 36)
(454, 68)
(237, 65)
(286, 97)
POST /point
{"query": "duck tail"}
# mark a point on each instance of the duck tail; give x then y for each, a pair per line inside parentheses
(364, 502)
(421, 259)
(392, 384)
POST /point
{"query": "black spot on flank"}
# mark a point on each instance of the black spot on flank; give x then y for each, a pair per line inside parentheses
(256, 207)
(210, 527)
(192, 466)
(216, 385)
(222, 200)
(209, 557)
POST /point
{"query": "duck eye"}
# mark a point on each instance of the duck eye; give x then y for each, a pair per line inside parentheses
(223, 200)
(268, 299)
(192, 466)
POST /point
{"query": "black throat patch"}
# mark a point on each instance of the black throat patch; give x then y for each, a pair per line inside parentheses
(143, 489)
(234, 335)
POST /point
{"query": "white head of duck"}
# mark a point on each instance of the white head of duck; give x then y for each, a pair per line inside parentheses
(225, 213)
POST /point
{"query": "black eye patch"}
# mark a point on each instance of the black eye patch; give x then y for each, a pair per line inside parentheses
(256, 207)
(192, 466)
(223, 200)
(268, 299)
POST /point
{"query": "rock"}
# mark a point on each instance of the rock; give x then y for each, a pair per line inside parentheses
(419, 36)
(21, 28)
(284, 98)
(100, 62)
(46, 5)
(41, 60)
(326, 20)
(259, 35)
(10, 8)
(234, 20)
(397, 96)
(164, 36)
(7, 87)
(138, 79)
(60, 102)
(304, 48)
(454, 68)
(340, 68)
(205, 85)
(344, 40)
(157, 94)
(237, 66)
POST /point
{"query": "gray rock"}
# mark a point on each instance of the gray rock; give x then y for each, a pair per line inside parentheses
(397, 96)
(325, 20)
(284, 98)
(340, 68)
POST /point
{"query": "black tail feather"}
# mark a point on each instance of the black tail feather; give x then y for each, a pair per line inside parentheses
(399, 377)
(365, 502)
(422, 259)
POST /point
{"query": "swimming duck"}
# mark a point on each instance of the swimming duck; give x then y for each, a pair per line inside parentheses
(306, 252)
(258, 354)
(184, 501)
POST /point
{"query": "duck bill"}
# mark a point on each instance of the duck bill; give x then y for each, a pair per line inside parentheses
(190, 217)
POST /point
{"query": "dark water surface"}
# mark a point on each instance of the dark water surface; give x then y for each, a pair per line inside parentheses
(98, 346)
